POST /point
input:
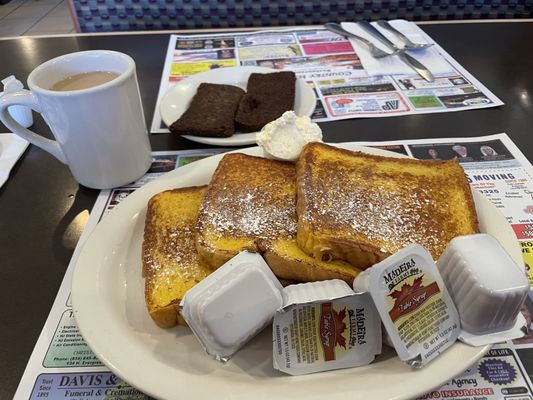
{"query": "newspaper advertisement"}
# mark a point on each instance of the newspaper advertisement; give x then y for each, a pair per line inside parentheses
(331, 66)
(498, 375)
(62, 365)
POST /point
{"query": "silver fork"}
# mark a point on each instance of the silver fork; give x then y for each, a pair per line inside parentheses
(375, 51)
(402, 54)
(407, 43)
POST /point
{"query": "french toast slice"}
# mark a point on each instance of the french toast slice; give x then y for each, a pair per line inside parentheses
(290, 263)
(171, 264)
(250, 204)
(362, 208)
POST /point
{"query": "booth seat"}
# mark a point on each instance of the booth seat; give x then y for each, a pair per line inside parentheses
(132, 15)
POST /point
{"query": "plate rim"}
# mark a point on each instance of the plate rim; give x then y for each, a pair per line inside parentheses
(171, 179)
(238, 139)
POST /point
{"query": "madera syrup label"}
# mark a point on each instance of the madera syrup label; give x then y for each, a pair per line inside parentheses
(326, 334)
(413, 303)
(411, 296)
(332, 327)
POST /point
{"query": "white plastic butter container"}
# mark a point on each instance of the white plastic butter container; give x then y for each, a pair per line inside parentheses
(486, 285)
(232, 304)
(411, 298)
(324, 326)
(301, 293)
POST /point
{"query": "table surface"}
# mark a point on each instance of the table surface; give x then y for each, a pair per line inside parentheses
(43, 210)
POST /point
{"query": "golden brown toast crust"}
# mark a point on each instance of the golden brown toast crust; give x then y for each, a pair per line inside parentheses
(251, 205)
(249, 198)
(289, 262)
(171, 264)
(362, 208)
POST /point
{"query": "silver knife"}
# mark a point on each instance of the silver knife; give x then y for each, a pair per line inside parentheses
(406, 58)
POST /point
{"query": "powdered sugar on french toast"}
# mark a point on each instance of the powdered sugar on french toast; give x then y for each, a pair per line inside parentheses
(177, 247)
(249, 198)
(386, 218)
(251, 214)
(377, 205)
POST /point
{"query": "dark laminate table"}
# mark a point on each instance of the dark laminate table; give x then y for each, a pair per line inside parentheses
(43, 210)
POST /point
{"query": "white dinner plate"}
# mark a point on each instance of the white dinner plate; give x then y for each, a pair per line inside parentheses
(108, 302)
(176, 100)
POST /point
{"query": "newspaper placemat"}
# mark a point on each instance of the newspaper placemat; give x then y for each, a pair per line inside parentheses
(331, 65)
(63, 366)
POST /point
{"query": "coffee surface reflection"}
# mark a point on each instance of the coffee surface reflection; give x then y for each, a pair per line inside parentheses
(84, 81)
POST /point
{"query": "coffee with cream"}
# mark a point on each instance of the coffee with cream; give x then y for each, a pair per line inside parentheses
(84, 81)
(99, 132)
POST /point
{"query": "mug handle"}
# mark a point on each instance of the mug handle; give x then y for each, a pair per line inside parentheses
(26, 98)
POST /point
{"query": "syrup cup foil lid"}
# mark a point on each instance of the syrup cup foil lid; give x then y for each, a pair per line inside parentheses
(232, 304)
(413, 303)
(487, 287)
(324, 326)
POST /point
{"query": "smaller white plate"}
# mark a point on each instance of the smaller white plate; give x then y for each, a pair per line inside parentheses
(176, 100)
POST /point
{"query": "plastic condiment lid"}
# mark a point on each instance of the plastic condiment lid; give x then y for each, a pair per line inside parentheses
(233, 308)
(12, 84)
(301, 293)
(232, 304)
(487, 287)
(413, 303)
(21, 114)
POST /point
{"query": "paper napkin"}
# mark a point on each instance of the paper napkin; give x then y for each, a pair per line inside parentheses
(430, 57)
(11, 148)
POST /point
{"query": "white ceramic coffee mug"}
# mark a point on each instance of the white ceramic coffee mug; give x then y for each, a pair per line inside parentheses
(99, 132)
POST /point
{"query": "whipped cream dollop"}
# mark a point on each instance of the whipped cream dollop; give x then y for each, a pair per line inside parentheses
(285, 137)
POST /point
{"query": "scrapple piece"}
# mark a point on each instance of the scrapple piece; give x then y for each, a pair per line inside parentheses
(211, 112)
(267, 97)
